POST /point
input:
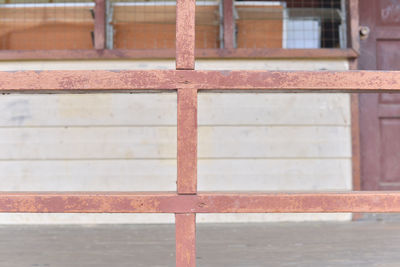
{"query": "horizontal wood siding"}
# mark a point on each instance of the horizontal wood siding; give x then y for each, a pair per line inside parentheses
(127, 137)
(274, 142)
(88, 142)
(127, 142)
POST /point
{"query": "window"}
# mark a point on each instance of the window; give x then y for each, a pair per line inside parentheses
(150, 25)
(26, 25)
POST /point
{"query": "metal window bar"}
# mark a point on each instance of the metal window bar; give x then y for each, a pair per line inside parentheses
(102, 33)
(186, 202)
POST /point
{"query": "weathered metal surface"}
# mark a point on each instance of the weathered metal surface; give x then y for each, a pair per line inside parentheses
(86, 80)
(215, 202)
(278, 81)
(187, 141)
(299, 202)
(240, 53)
(185, 225)
(229, 23)
(87, 202)
(185, 34)
(99, 24)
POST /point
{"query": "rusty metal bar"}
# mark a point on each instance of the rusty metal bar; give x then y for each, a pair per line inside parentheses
(229, 25)
(274, 81)
(185, 225)
(215, 202)
(185, 34)
(187, 141)
(100, 24)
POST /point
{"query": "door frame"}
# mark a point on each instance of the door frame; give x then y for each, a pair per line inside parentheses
(353, 39)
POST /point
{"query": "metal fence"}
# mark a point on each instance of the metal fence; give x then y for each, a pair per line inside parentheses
(186, 201)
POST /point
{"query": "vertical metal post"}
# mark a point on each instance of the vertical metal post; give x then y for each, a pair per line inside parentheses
(187, 141)
(99, 24)
(185, 224)
(185, 239)
(185, 31)
(229, 23)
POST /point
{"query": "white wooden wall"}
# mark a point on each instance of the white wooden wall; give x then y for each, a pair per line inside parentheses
(128, 142)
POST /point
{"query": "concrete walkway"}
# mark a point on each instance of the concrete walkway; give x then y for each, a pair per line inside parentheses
(270, 244)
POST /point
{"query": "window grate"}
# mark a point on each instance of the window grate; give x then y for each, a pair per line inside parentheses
(149, 25)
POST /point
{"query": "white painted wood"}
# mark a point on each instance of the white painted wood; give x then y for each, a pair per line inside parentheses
(85, 218)
(118, 218)
(88, 143)
(271, 217)
(88, 109)
(128, 141)
(88, 175)
(158, 175)
(160, 109)
(274, 142)
(201, 64)
(274, 175)
(160, 142)
(273, 109)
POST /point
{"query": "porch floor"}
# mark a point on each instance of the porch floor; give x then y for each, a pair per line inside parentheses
(363, 243)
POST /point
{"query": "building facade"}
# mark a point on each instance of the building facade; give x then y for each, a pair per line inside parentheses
(127, 141)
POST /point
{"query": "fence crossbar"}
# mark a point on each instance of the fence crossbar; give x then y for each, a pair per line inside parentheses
(275, 81)
(186, 201)
(202, 202)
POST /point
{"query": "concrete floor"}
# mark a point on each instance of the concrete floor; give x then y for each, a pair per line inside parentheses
(365, 243)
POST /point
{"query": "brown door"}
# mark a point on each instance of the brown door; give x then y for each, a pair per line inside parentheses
(380, 113)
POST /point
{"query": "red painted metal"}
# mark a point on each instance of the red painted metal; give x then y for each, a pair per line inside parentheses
(239, 53)
(229, 25)
(202, 202)
(275, 81)
(186, 202)
(185, 34)
(100, 24)
(187, 141)
(185, 225)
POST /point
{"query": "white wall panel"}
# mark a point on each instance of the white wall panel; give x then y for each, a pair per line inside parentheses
(88, 110)
(251, 141)
(274, 174)
(88, 143)
(273, 109)
(274, 142)
(88, 175)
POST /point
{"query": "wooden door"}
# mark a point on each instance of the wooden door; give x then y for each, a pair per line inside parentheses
(380, 113)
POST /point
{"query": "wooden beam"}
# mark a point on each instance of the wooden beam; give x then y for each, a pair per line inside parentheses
(239, 53)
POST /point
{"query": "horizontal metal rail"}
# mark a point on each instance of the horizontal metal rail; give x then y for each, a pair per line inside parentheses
(186, 201)
(279, 81)
(203, 202)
